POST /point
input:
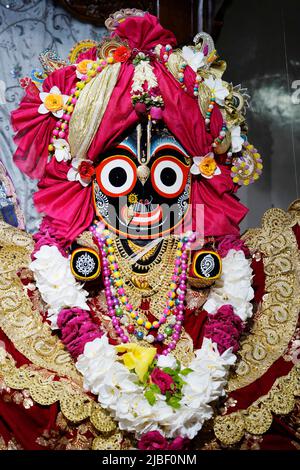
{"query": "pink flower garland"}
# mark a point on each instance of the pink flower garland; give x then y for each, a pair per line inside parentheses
(224, 328)
(153, 440)
(231, 242)
(47, 236)
(77, 329)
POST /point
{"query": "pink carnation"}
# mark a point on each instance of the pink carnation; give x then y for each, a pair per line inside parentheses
(47, 236)
(153, 440)
(224, 328)
(77, 329)
(231, 242)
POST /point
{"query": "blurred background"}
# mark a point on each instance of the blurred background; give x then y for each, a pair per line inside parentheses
(257, 38)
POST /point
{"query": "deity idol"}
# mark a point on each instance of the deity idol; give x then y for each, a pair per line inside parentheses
(137, 316)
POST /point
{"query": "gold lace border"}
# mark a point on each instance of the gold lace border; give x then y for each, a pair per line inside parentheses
(258, 418)
(45, 389)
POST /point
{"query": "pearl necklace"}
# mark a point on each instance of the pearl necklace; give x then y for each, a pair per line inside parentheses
(118, 303)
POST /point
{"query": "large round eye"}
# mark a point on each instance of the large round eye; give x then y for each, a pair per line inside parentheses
(116, 175)
(169, 176)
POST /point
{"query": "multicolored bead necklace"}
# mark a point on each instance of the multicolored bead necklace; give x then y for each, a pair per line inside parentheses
(118, 303)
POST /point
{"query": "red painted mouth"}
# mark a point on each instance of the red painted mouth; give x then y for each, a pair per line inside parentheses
(142, 218)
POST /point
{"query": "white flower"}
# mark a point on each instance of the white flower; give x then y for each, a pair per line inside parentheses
(167, 361)
(233, 287)
(194, 59)
(53, 102)
(218, 89)
(62, 150)
(205, 166)
(74, 173)
(56, 282)
(143, 72)
(236, 139)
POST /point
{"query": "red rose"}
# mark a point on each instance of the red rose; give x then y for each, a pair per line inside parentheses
(121, 54)
(152, 440)
(162, 380)
(86, 170)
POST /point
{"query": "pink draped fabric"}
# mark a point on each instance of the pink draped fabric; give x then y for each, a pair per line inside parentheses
(67, 204)
(144, 33)
(34, 129)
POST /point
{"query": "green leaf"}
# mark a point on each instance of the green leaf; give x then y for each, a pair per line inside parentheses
(154, 388)
(169, 371)
(150, 397)
(174, 402)
(186, 371)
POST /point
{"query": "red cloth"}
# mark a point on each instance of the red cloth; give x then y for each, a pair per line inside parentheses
(34, 129)
(68, 205)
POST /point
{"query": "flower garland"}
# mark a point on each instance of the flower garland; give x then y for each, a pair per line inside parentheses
(128, 400)
(233, 287)
(146, 392)
(56, 283)
(145, 93)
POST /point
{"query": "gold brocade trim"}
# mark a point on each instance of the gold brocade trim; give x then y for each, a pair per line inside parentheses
(21, 323)
(258, 418)
(276, 319)
(75, 405)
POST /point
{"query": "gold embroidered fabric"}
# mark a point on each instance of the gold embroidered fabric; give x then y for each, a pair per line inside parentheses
(258, 418)
(21, 323)
(75, 405)
(276, 319)
(90, 108)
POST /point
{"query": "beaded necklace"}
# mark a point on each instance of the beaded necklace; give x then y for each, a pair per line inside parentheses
(118, 303)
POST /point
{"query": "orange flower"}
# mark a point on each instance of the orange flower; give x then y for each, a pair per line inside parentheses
(205, 166)
(54, 102)
(82, 67)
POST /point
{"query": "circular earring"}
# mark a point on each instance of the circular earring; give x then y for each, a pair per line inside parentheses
(85, 264)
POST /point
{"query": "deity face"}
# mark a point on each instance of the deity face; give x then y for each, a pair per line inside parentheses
(143, 200)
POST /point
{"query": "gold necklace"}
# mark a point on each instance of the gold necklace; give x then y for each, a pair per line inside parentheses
(152, 285)
(136, 248)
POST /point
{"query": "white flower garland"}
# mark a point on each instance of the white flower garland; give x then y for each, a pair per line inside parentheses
(143, 72)
(233, 287)
(117, 388)
(118, 391)
(56, 283)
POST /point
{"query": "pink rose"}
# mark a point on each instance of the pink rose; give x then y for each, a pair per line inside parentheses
(162, 380)
(152, 440)
(231, 242)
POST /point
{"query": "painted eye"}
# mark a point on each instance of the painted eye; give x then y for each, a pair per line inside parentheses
(169, 176)
(116, 175)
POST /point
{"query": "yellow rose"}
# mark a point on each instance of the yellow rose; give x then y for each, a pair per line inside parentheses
(54, 102)
(137, 357)
(82, 66)
(207, 166)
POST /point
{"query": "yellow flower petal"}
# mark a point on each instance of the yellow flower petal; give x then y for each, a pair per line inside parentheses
(137, 358)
